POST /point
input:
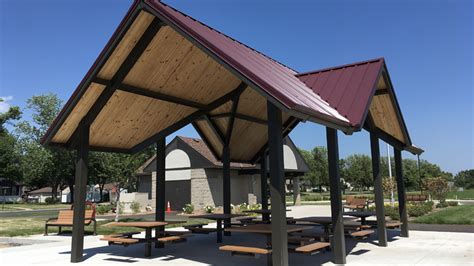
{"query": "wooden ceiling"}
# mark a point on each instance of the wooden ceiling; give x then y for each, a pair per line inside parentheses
(169, 65)
(383, 113)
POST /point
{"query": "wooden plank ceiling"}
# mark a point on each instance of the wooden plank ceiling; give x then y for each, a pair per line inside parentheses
(383, 113)
(173, 66)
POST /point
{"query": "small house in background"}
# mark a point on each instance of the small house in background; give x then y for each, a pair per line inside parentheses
(10, 191)
(41, 194)
(194, 175)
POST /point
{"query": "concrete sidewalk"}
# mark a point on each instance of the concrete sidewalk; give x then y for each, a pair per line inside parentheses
(422, 248)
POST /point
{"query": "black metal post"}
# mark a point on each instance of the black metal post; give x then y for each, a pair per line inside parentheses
(277, 186)
(402, 208)
(160, 186)
(226, 185)
(338, 242)
(264, 185)
(80, 190)
(378, 190)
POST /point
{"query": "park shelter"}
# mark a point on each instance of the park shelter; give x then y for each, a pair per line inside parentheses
(163, 70)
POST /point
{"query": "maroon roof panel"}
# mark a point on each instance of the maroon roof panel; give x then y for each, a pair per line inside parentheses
(274, 78)
(348, 88)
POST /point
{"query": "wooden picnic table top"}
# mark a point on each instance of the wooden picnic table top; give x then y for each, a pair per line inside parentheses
(150, 224)
(216, 216)
(266, 228)
(261, 211)
(320, 219)
(360, 213)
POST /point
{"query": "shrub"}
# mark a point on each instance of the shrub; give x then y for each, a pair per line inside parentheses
(209, 209)
(420, 209)
(120, 207)
(257, 206)
(452, 203)
(243, 207)
(442, 204)
(437, 186)
(188, 208)
(50, 200)
(102, 209)
(135, 206)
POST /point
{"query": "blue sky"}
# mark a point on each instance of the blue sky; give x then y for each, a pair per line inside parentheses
(48, 46)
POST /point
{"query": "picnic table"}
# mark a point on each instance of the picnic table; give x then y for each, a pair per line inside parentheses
(218, 217)
(148, 226)
(262, 211)
(325, 221)
(361, 214)
(266, 229)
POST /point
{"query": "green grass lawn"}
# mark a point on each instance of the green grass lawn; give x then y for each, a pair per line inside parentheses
(30, 226)
(32, 206)
(452, 215)
(466, 194)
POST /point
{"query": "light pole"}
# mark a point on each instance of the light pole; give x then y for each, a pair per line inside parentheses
(392, 200)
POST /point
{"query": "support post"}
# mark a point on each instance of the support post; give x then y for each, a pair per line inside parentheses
(402, 208)
(296, 191)
(80, 190)
(338, 243)
(378, 190)
(226, 185)
(277, 186)
(160, 186)
(264, 185)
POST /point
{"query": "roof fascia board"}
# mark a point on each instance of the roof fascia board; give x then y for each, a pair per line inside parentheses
(113, 42)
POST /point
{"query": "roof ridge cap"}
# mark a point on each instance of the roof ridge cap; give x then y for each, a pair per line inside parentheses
(340, 66)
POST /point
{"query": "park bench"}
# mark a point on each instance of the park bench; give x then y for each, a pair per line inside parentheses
(65, 218)
(199, 229)
(416, 198)
(245, 251)
(353, 203)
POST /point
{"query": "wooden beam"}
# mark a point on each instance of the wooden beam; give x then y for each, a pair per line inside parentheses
(402, 208)
(381, 92)
(378, 190)
(80, 191)
(277, 186)
(121, 73)
(215, 129)
(152, 94)
(189, 119)
(241, 117)
(338, 244)
(205, 139)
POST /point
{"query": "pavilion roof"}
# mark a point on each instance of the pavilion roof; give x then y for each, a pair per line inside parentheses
(162, 70)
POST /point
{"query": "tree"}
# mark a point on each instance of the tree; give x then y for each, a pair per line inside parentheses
(318, 166)
(9, 156)
(358, 171)
(437, 186)
(43, 166)
(465, 179)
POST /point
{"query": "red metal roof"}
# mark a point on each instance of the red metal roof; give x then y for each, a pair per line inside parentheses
(346, 88)
(272, 77)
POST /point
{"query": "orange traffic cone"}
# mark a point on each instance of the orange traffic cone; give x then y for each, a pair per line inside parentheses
(168, 208)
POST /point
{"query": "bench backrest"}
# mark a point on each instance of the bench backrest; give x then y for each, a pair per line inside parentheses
(66, 216)
(416, 197)
(349, 199)
(359, 201)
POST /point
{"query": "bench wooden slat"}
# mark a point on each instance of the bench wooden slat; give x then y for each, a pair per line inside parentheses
(362, 233)
(313, 247)
(244, 249)
(393, 225)
(174, 238)
(198, 230)
(120, 240)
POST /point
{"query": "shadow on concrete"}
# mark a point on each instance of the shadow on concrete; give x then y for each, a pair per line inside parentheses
(204, 249)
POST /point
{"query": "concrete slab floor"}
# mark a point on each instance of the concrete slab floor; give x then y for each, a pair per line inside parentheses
(422, 248)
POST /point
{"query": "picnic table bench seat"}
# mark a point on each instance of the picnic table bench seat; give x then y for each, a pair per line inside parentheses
(244, 250)
(118, 240)
(313, 248)
(322, 236)
(65, 218)
(174, 238)
(362, 234)
(393, 225)
(199, 229)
